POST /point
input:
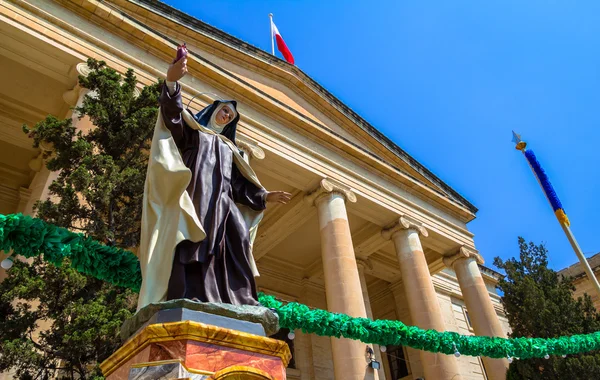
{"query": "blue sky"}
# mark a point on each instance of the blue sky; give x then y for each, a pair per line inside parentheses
(447, 81)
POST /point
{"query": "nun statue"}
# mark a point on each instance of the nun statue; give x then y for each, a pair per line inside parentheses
(202, 205)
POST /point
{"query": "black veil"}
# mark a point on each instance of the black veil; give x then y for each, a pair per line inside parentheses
(203, 118)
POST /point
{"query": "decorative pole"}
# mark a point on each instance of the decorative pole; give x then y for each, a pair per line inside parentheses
(559, 212)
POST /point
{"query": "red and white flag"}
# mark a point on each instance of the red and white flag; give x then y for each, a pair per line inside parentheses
(281, 46)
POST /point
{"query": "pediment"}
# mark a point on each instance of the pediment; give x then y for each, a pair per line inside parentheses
(271, 83)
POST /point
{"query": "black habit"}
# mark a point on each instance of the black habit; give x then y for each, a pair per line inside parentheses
(216, 269)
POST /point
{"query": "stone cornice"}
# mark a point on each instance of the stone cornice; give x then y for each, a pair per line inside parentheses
(404, 223)
(462, 252)
(490, 273)
(329, 186)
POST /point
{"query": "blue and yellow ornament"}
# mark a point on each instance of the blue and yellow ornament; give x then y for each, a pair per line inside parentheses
(542, 178)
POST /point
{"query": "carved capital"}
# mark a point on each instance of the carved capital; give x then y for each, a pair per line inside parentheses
(37, 162)
(404, 223)
(329, 186)
(250, 147)
(462, 252)
(83, 69)
(72, 96)
(46, 151)
(364, 264)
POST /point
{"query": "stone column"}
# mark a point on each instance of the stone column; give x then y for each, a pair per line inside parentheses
(421, 297)
(342, 282)
(484, 319)
(43, 177)
(362, 265)
(318, 348)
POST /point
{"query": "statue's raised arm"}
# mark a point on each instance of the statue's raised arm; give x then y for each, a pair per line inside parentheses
(202, 205)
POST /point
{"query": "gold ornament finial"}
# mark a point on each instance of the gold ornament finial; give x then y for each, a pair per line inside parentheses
(519, 144)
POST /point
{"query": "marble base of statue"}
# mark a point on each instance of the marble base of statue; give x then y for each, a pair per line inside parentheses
(183, 339)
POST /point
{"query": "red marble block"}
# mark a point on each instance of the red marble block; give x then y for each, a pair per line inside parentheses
(212, 358)
(200, 348)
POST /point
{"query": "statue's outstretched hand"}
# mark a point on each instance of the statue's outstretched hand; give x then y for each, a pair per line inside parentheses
(177, 70)
(279, 197)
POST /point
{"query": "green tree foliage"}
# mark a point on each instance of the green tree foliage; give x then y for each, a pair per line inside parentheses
(56, 321)
(539, 303)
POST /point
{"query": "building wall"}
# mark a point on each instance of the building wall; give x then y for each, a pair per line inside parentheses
(583, 286)
(581, 281)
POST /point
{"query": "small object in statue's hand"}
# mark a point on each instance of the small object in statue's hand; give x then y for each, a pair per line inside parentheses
(181, 52)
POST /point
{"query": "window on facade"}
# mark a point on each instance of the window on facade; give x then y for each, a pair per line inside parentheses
(397, 361)
(282, 334)
(467, 318)
(485, 375)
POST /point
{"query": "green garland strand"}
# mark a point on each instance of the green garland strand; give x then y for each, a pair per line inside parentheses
(387, 332)
(31, 237)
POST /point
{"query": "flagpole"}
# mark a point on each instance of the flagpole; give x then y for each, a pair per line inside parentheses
(586, 266)
(271, 27)
(559, 212)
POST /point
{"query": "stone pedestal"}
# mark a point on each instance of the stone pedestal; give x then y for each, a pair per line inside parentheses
(182, 343)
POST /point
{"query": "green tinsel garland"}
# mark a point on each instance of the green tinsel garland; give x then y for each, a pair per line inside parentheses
(31, 237)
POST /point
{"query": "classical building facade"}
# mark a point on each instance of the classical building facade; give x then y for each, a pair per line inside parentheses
(370, 232)
(581, 281)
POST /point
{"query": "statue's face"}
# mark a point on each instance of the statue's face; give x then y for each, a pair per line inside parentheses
(224, 116)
